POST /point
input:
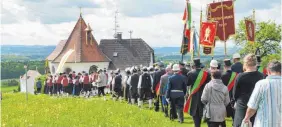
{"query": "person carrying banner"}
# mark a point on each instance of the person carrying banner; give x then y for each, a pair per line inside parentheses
(156, 85)
(228, 79)
(197, 79)
(144, 87)
(176, 90)
(163, 88)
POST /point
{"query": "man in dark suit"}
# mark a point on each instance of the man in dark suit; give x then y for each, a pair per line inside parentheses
(227, 79)
(196, 109)
(237, 66)
(183, 70)
(156, 84)
(176, 91)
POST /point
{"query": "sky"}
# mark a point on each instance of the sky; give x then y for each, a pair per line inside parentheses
(158, 22)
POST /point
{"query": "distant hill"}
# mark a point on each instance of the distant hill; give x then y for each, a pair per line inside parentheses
(40, 52)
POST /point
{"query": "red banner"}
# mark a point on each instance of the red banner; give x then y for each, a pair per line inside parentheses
(208, 31)
(222, 12)
(250, 30)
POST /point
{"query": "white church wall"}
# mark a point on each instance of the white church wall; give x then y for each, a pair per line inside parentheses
(79, 67)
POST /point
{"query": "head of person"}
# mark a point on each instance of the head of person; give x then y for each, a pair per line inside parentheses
(227, 64)
(181, 65)
(144, 69)
(73, 72)
(86, 74)
(116, 72)
(258, 60)
(168, 70)
(216, 75)
(151, 69)
(175, 68)
(160, 64)
(105, 70)
(197, 63)
(236, 57)
(134, 70)
(100, 71)
(250, 62)
(274, 68)
(127, 71)
(213, 66)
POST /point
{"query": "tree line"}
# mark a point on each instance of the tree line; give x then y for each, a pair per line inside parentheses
(14, 69)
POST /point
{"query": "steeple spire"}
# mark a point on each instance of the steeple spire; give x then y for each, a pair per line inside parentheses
(80, 12)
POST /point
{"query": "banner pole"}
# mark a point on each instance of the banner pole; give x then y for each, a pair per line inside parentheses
(199, 46)
(254, 20)
(223, 25)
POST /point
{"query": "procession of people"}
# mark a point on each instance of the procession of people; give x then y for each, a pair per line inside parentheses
(237, 90)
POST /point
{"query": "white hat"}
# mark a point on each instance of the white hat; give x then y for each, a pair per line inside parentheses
(236, 55)
(213, 63)
(175, 67)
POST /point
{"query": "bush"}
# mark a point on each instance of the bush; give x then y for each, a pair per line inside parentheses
(10, 82)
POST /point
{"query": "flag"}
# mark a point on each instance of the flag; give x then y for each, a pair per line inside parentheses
(184, 46)
(187, 18)
(250, 30)
(195, 44)
(207, 35)
(216, 11)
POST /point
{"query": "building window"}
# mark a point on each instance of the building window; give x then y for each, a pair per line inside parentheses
(115, 54)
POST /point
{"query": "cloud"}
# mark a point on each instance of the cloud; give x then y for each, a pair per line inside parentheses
(158, 23)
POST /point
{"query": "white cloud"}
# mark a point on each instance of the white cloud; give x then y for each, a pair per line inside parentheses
(158, 28)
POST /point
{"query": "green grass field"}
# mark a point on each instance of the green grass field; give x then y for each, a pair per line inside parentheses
(43, 110)
(8, 88)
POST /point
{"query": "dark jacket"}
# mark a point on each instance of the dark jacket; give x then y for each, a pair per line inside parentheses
(176, 86)
(134, 82)
(118, 80)
(38, 84)
(157, 78)
(237, 67)
(196, 98)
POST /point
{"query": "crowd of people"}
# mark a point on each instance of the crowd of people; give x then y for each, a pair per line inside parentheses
(248, 92)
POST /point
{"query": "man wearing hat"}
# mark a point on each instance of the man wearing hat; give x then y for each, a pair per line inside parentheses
(213, 66)
(260, 68)
(237, 66)
(183, 70)
(133, 83)
(144, 87)
(197, 79)
(228, 79)
(163, 88)
(156, 85)
(117, 86)
(176, 90)
(126, 86)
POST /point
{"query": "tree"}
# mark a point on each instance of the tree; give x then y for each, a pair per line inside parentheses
(267, 40)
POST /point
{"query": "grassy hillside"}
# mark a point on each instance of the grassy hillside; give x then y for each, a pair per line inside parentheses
(42, 110)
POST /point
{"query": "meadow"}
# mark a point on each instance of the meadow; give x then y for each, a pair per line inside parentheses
(45, 111)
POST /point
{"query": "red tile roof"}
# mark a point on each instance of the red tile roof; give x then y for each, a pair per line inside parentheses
(84, 51)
